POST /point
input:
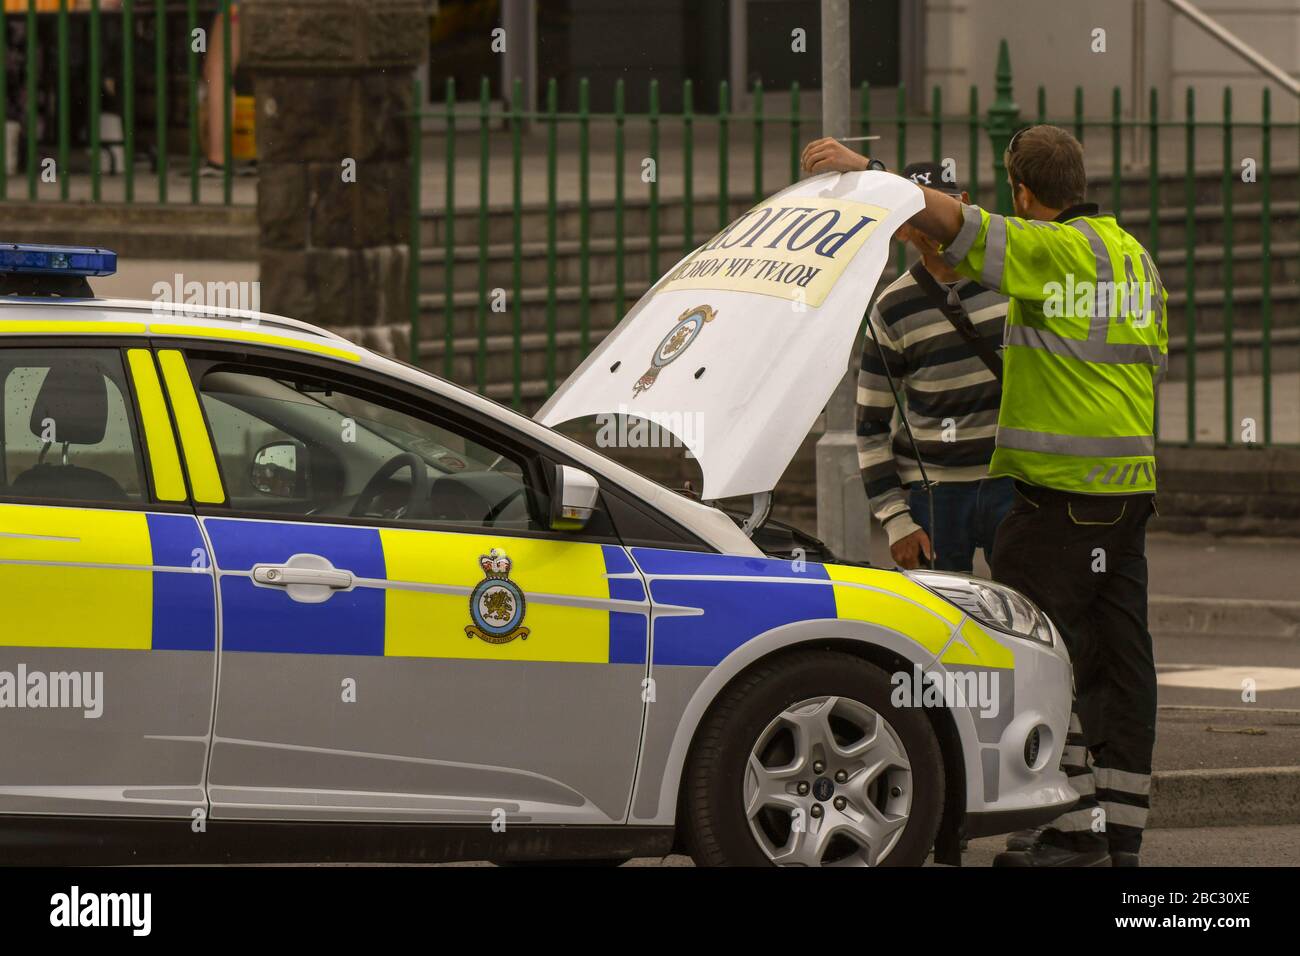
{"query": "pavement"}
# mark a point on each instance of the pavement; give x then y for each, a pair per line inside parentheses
(1202, 846)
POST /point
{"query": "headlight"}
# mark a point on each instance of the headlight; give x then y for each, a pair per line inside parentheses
(989, 603)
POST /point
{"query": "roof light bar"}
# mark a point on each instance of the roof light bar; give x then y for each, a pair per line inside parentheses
(34, 259)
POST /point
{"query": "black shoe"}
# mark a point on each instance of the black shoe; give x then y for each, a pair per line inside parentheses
(1023, 839)
(1123, 858)
(1047, 854)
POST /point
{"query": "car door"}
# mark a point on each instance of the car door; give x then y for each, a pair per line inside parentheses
(108, 633)
(402, 636)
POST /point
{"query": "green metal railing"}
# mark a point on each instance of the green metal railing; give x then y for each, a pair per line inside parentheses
(45, 123)
(766, 129)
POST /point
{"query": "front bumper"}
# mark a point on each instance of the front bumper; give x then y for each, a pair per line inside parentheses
(1004, 789)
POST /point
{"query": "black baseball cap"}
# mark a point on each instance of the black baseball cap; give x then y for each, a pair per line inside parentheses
(932, 175)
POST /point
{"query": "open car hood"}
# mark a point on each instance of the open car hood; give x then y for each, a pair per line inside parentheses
(737, 349)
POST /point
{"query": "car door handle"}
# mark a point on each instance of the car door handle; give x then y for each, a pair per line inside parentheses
(282, 575)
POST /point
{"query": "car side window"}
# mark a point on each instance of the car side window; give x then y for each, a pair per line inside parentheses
(68, 427)
(291, 445)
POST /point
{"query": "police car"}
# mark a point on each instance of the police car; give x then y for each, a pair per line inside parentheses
(268, 595)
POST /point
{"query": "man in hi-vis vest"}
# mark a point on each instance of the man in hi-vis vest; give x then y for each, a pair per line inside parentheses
(1086, 344)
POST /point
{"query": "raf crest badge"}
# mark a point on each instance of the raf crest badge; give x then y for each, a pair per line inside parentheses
(496, 604)
(678, 340)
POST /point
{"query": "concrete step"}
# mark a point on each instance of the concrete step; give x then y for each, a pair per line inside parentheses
(603, 311)
(602, 263)
(602, 220)
(139, 230)
(1135, 214)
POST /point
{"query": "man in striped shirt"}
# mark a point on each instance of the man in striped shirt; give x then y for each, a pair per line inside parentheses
(952, 397)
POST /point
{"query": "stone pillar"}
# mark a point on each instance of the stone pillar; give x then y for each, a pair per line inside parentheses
(333, 81)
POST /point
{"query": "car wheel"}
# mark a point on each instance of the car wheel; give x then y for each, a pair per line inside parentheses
(804, 761)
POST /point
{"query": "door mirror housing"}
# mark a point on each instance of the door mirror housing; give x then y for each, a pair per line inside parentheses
(574, 498)
(279, 469)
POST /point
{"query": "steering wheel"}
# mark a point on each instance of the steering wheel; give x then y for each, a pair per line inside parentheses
(419, 485)
(500, 506)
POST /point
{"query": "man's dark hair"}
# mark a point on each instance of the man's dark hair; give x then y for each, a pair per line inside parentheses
(1049, 161)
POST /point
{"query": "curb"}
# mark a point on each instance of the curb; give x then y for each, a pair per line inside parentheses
(1173, 616)
(1246, 796)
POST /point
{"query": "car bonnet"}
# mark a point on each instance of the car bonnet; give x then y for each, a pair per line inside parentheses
(738, 347)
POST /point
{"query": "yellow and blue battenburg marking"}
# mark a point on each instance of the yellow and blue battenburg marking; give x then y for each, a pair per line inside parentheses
(85, 577)
(415, 594)
(91, 578)
(739, 598)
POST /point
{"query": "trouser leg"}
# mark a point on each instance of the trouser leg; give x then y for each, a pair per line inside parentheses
(952, 526)
(1125, 736)
(1082, 560)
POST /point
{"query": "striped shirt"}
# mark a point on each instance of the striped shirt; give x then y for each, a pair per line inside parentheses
(951, 397)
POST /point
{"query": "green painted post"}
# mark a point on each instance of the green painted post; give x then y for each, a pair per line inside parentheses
(864, 114)
(584, 214)
(32, 123)
(160, 94)
(1116, 153)
(619, 157)
(192, 95)
(900, 121)
(724, 154)
(758, 141)
(449, 234)
(795, 125)
(95, 92)
(227, 108)
(4, 100)
(1266, 249)
(1189, 257)
(936, 124)
(413, 251)
(65, 100)
(1153, 175)
(654, 180)
(517, 237)
(128, 99)
(900, 111)
(552, 176)
(688, 167)
(1228, 265)
(1153, 210)
(972, 175)
(484, 152)
(1004, 118)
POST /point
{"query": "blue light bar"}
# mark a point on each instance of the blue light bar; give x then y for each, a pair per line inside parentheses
(34, 259)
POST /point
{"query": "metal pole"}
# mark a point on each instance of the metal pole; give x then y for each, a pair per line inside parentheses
(1233, 42)
(842, 515)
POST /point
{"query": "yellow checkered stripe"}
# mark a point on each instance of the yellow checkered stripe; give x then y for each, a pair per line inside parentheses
(75, 577)
(426, 623)
(893, 601)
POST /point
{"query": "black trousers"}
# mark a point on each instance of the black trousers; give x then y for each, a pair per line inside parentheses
(1082, 559)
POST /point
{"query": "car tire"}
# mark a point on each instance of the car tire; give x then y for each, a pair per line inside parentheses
(716, 828)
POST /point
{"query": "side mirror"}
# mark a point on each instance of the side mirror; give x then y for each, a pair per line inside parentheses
(279, 469)
(574, 498)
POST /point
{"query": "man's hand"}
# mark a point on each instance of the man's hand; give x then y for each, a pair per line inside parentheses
(907, 551)
(829, 155)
